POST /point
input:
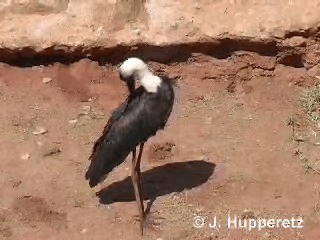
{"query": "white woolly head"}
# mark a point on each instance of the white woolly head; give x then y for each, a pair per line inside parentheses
(132, 66)
(139, 70)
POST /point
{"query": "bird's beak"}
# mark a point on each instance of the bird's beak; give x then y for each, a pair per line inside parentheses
(130, 81)
(131, 85)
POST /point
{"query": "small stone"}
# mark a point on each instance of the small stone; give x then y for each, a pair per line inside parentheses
(247, 214)
(87, 100)
(73, 121)
(16, 184)
(25, 156)
(295, 41)
(85, 110)
(137, 31)
(39, 131)
(277, 194)
(51, 151)
(46, 80)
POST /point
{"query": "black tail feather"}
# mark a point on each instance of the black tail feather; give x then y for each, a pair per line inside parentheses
(97, 168)
(103, 160)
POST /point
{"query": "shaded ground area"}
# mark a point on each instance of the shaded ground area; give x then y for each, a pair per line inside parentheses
(226, 150)
(184, 175)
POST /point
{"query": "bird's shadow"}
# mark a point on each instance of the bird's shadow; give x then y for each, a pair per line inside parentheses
(159, 181)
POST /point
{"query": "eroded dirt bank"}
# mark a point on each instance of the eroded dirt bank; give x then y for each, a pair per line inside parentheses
(53, 29)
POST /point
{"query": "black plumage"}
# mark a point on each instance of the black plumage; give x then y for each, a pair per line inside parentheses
(131, 124)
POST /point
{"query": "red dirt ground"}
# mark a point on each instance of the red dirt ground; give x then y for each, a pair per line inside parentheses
(229, 119)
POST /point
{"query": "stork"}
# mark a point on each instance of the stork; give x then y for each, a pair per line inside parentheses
(145, 111)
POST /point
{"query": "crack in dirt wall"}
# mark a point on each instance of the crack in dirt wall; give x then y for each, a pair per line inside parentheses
(299, 49)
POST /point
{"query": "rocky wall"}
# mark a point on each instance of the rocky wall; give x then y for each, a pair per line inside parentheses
(87, 28)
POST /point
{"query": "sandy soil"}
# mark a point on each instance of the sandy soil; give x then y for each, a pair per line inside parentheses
(226, 150)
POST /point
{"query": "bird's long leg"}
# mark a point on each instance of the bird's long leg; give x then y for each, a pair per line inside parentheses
(140, 185)
(135, 182)
(151, 223)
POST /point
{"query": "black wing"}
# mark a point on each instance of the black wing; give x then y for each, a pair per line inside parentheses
(116, 114)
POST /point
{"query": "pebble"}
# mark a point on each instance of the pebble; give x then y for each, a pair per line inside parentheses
(46, 80)
(51, 151)
(295, 41)
(39, 131)
(85, 110)
(25, 156)
(248, 214)
(73, 121)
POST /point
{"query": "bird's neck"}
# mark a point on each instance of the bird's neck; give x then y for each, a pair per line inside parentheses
(150, 82)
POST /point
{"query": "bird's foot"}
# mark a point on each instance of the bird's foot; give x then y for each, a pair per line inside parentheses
(153, 222)
(149, 222)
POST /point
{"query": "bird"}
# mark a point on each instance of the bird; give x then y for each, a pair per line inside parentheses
(145, 111)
